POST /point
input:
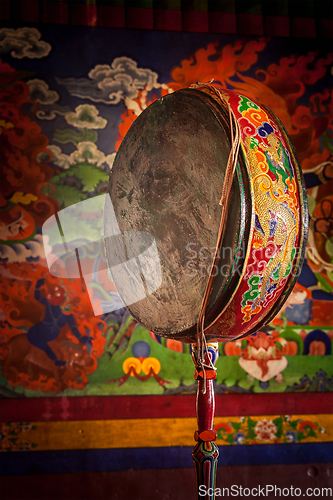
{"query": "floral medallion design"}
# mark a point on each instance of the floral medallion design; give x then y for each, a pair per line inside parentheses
(268, 430)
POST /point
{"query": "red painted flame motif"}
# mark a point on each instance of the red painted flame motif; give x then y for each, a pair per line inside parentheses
(278, 87)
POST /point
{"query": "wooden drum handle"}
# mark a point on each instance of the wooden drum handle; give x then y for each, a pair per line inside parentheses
(205, 452)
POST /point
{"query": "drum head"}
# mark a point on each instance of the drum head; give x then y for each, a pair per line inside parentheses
(167, 180)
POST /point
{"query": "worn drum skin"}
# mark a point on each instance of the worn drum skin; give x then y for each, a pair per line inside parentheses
(167, 180)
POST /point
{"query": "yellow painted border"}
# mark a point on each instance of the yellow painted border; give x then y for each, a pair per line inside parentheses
(150, 433)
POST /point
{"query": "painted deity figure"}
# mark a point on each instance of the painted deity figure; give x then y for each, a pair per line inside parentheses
(49, 328)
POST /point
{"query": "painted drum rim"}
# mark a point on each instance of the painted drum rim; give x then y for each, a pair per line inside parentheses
(303, 222)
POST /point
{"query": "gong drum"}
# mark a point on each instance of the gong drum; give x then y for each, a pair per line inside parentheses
(167, 180)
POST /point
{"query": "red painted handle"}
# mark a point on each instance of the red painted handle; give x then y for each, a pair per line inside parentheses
(205, 453)
(205, 406)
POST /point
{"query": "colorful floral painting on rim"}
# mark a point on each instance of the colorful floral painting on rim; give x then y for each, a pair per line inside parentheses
(247, 430)
(279, 227)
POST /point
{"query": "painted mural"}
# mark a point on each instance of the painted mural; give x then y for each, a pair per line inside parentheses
(68, 96)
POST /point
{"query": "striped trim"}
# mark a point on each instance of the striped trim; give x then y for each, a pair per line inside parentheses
(243, 18)
(123, 407)
(51, 462)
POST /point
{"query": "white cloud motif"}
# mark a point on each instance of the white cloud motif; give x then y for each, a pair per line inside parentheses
(86, 116)
(23, 42)
(58, 157)
(20, 252)
(40, 92)
(48, 108)
(111, 84)
(87, 152)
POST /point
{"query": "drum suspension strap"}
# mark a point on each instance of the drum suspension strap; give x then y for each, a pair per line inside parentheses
(228, 179)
